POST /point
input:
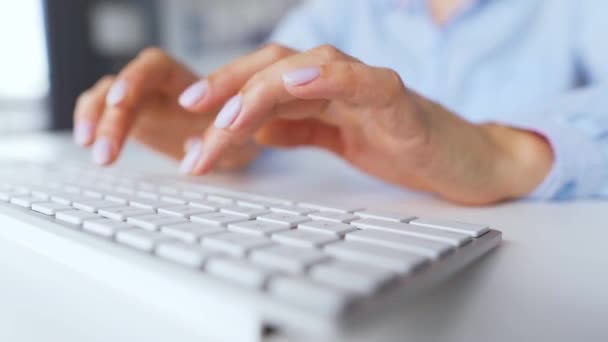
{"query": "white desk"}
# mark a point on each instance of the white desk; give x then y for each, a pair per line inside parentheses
(547, 282)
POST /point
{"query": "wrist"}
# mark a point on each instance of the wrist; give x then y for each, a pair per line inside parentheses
(523, 159)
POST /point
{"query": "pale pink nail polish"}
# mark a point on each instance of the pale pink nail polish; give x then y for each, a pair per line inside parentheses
(83, 132)
(230, 111)
(301, 76)
(194, 94)
(192, 158)
(102, 151)
(116, 93)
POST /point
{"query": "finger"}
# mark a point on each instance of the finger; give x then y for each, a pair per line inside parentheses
(347, 81)
(236, 157)
(152, 70)
(295, 133)
(152, 73)
(89, 107)
(258, 99)
(222, 84)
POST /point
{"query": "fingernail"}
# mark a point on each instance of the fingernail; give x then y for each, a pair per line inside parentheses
(102, 151)
(192, 158)
(116, 93)
(301, 76)
(230, 111)
(193, 93)
(83, 132)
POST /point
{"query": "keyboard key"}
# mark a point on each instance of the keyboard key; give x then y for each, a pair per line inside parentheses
(431, 249)
(357, 277)
(155, 221)
(333, 216)
(75, 216)
(291, 209)
(184, 253)
(384, 215)
(123, 213)
(147, 194)
(452, 238)
(25, 201)
(235, 243)
(303, 238)
(327, 227)
(377, 256)
(220, 199)
(239, 272)
(218, 219)
(289, 221)
(311, 295)
(175, 199)
(146, 203)
(105, 227)
(117, 197)
(191, 232)
(191, 195)
(256, 227)
(50, 208)
(473, 230)
(41, 192)
(6, 195)
(183, 211)
(143, 240)
(255, 204)
(93, 205)
(66, 198)
(247, 212)
(322, 207)
(286, 258)
(203, 203)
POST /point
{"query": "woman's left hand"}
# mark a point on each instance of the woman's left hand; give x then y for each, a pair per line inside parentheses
(364, 114)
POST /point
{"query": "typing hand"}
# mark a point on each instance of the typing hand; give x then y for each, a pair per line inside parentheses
(142, 101)
(366, 115)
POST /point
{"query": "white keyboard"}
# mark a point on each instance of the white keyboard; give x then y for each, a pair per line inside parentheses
(301, 268)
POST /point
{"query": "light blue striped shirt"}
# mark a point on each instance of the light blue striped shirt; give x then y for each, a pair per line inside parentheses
(540, 65)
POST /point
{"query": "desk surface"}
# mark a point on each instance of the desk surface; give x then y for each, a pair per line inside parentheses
(547, 282)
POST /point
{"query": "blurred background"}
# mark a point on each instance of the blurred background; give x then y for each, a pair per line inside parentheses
(54, 49)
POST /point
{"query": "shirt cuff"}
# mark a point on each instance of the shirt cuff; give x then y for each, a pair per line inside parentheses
(579, 168)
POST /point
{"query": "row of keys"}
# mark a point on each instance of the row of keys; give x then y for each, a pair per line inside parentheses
(219, 203)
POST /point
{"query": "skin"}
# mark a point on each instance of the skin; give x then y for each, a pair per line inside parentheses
(362, 114)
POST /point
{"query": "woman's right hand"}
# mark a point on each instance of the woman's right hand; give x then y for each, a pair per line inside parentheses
(155, 99)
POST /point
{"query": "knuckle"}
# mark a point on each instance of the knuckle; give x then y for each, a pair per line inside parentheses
(153, 52)
(105, 80)
(394, 83)
(329, 52)
(276, 51)
(84, 97)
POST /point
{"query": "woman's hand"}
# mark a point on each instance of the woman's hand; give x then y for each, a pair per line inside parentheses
(147, 101)
(366, 115)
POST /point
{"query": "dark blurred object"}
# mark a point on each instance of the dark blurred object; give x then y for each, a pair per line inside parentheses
(88, 39)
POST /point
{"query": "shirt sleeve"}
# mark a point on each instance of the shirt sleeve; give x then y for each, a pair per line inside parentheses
(311, 24)
(576, 125)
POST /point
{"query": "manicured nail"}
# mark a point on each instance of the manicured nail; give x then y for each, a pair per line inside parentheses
(301, 76)
(230, 111)
(193, 93)
(116, 93)
(102, 151)
(192, 158)
(83, 132)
